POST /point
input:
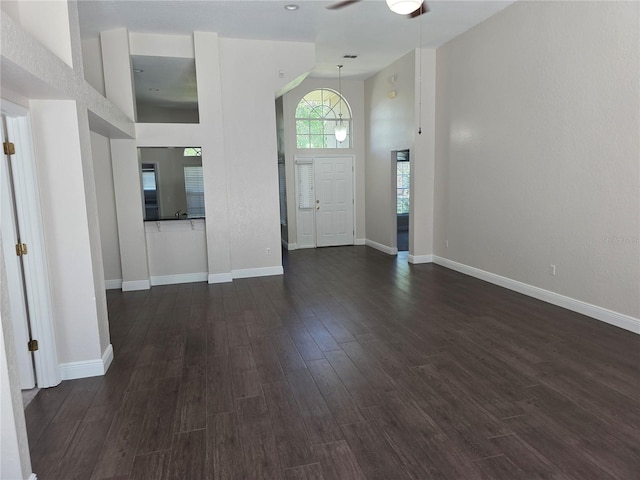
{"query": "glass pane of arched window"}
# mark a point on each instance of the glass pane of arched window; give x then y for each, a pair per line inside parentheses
(317, 115)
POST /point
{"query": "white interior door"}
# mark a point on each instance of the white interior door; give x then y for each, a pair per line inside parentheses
(334, 200)
(15, 279)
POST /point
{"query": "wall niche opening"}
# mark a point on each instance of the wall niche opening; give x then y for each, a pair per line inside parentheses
(165, 89)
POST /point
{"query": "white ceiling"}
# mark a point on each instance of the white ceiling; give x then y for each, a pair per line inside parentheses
(368, 29)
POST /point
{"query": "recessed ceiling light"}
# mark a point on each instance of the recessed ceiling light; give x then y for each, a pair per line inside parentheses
(291, 7)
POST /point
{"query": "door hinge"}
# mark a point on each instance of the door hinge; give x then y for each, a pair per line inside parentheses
(9, 148)
(33, 345)
(21, 249)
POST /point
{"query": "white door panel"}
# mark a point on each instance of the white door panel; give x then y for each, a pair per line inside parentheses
(334, 211)
(13, 265)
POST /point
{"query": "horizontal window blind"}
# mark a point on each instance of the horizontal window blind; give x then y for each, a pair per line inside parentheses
(194, 187)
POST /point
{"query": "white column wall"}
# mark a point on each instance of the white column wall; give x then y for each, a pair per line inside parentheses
(58, 155)
(251, 145)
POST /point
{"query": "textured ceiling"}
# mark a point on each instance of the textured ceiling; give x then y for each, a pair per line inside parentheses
(368, 28)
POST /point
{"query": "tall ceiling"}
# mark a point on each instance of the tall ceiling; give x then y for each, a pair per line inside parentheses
(367, 29)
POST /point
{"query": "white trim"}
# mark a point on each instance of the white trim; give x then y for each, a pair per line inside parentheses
(360, 241)
(381, 247)
(90, 368)
(33, 477)
(415, 259)
(220, 277)
(292, 246)
(179, 278)
(115, 284)
(35, 264)
(132, 285)
(626, 322)
(257, 272)
(107, 357)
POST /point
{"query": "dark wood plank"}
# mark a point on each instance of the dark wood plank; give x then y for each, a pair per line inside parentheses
(320, 424)
(79, 459)
(151, 466)
(338, 400)
(353, 380)
(225, 459)
(290, 359)
(219, 385)
(119, 449)
(320, 334)
(375, 455)
(159, 419)
(337, 461)
(191, 409)
(312, 471)
(304, 342)
(257, 438)
(237, 331)
(288, 426)
(217, 338)
(188, 456)
(267, 363)
(244, 375)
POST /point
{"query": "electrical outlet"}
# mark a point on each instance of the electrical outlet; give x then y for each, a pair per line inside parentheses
(446, 243)
(552, 270)
(268, 251)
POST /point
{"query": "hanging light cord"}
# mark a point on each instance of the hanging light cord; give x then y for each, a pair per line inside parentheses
(420, 81)
(340, 92)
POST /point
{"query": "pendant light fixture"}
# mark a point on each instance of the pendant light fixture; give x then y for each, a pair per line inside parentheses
(340, 130)
(404, 7)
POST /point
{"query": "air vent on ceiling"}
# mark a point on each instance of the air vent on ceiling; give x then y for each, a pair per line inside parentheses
(350, 56)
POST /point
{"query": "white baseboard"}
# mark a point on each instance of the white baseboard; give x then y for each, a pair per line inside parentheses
(220, 278)
(420, 259)
(257, 272)
(132, 285)
(89, 368)
(381, 247)
(33, 477)
(361, 241)
(115, 284)
(292, 246)
(179, 278)
(107, 357)
(620, 320)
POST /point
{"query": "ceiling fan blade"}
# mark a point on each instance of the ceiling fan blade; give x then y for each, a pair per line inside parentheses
(424, 8)
(339, 5)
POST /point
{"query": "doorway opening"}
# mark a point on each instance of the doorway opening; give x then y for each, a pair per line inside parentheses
(403, 182)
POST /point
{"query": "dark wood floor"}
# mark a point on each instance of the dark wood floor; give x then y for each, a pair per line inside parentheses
(353, 365)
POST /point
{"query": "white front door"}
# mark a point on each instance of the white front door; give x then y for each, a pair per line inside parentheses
(334, 201)
(324, 194)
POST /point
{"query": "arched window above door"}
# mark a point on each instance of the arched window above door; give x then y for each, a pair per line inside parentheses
(317, 115)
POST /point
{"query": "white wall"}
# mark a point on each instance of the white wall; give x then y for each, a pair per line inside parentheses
(57, 150)
(92, 63)
(537, 149)
(250, 79)
(101, 152)
(169, 261)
(353, 92)
(47, 22)
(390, 125)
